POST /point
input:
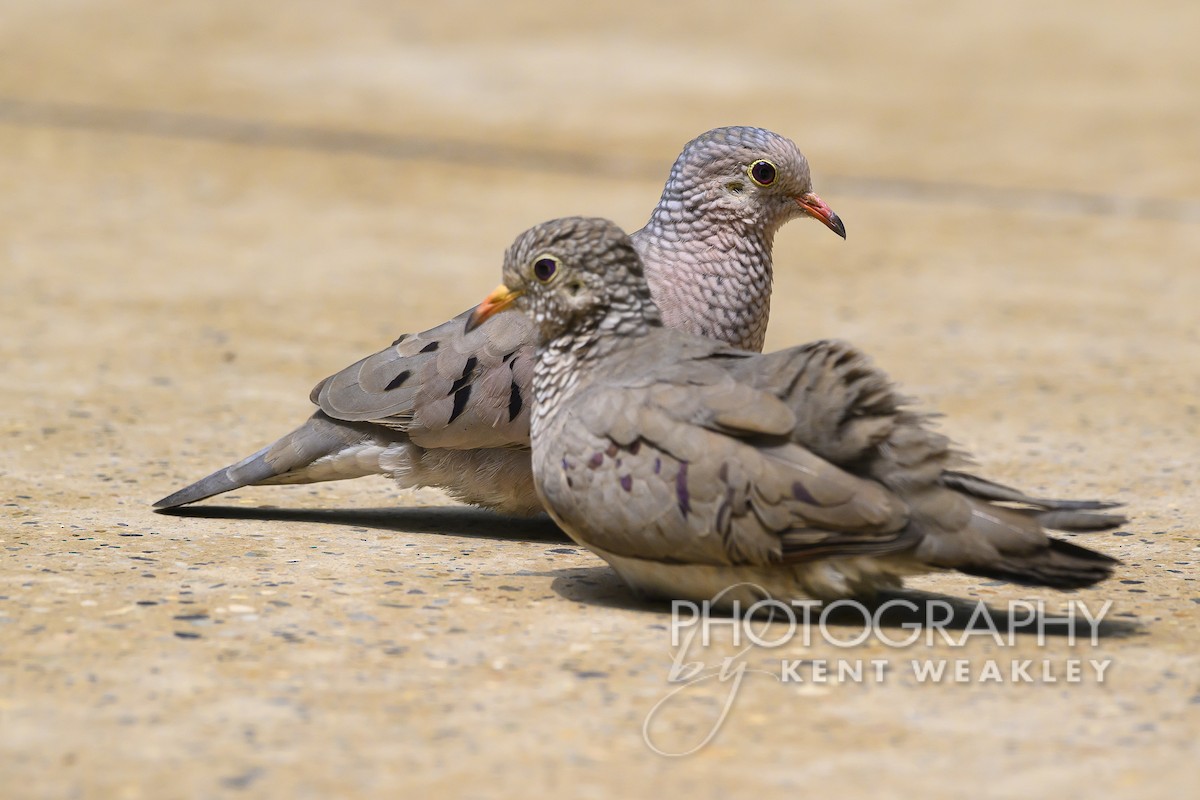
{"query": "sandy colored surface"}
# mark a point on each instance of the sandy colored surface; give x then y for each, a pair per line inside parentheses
(207, 207)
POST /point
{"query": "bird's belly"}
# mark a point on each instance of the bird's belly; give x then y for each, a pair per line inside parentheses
(724, 585)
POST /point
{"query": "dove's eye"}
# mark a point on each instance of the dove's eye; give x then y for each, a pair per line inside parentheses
(545, 268)
(762, 172)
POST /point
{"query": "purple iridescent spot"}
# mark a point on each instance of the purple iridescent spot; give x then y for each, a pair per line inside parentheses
(681, 489)
(802, 494)
(627, 482)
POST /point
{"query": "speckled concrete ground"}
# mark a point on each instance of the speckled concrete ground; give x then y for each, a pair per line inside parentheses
(207, 207)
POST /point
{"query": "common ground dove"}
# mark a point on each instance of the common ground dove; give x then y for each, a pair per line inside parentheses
(692, 466)
(449, 408)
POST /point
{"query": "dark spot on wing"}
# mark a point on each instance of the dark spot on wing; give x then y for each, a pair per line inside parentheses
(431, 347)
(681, 489)
(400, 339)
(627, 482)
(635, 447)
(842, 357)
(803, 495)
(460, 401)
(612, 450)
(515, 403)
(596, 460)
(467, 374)
(398, 381)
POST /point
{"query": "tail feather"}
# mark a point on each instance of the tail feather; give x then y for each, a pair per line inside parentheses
(1059, 565)
(1072, 516)
(248, 471)
(1079, 521)
(1011, 544)
(285, 461)
(990, 490)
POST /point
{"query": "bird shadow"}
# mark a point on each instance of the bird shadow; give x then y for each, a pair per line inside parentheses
(456, 520)
(904, 609)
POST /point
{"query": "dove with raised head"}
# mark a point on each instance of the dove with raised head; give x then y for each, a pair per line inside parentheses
(450, 408)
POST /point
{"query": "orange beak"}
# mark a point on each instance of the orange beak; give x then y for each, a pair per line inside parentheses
(501, 298)
(815, 207)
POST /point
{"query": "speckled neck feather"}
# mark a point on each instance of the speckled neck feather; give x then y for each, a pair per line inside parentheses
(708, 261)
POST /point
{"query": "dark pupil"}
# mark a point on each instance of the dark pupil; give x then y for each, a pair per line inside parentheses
(544, 268)
(763, 172)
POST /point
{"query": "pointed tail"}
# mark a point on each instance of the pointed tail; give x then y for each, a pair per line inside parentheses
(1011, 544)
(321, 449)
(1059, 565)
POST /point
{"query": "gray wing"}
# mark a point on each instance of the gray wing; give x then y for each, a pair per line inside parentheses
(702, 469)
(443, 387)
(855, 473)
(849, 413)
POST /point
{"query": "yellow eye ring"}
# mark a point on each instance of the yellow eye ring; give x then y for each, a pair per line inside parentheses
(545, 268)
(762, 172)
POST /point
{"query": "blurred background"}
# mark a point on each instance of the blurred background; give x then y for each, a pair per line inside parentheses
(206, 207)
(307, 176)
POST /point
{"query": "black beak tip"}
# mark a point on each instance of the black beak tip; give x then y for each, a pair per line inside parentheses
(837, 226)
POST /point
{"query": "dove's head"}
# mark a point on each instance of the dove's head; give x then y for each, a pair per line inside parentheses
(748, 176)
(572, 274)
